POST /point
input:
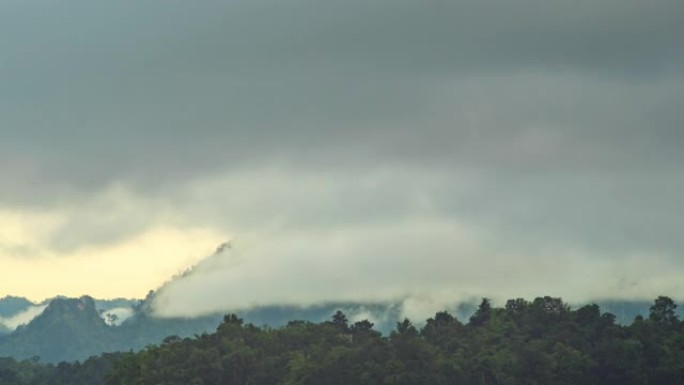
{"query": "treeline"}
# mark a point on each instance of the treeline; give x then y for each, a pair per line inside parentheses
(92, 371)
(537, 342)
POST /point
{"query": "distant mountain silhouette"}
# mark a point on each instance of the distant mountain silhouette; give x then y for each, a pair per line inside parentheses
(68, 329)
(10, 305)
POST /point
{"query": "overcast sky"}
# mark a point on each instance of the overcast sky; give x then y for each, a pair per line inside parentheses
(360, 150)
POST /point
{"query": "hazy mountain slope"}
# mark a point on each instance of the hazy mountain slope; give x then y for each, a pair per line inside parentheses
(10, 305)
(108, 304)
(68, 329)
(15, 311)
(72, 329)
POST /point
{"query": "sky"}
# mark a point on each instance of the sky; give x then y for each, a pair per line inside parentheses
(352, 150)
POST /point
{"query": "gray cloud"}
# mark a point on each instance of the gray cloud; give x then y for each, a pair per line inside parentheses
(180, 89)
(551, 127)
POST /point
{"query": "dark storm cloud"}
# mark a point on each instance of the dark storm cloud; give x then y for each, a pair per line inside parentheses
(549, 127)
(179, 89)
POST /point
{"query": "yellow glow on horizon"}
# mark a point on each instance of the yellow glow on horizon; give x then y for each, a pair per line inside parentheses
(127, 269)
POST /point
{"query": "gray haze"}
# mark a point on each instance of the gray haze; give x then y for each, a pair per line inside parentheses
(424, 151)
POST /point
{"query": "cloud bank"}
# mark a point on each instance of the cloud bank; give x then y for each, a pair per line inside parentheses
(386, 150)
(116, 316)
(22, 318)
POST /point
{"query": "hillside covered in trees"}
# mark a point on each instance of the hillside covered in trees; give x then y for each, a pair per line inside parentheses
(537, 342)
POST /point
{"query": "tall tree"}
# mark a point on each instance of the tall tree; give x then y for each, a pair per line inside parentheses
(664, 311)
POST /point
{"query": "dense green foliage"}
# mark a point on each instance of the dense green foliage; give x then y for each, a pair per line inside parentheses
(31, 372)
(538, 342)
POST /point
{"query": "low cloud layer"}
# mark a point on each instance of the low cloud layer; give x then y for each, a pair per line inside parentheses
(22, 318)
(422, 265)
(116, 316)
(418, 152)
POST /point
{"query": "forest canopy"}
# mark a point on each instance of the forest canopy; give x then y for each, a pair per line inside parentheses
(542, 341)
